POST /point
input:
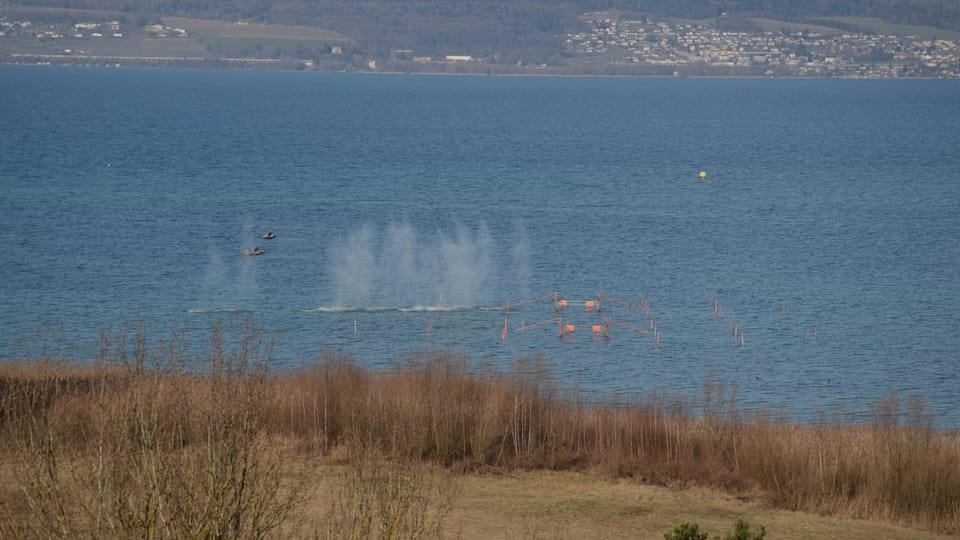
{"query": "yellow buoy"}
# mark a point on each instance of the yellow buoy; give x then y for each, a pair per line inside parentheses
(703, 175)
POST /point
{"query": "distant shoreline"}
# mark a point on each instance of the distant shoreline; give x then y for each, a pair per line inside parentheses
(282, 65)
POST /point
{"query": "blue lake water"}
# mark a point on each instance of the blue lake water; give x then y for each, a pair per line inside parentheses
(827, 229)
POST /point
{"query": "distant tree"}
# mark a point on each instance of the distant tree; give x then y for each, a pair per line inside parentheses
(876, 54)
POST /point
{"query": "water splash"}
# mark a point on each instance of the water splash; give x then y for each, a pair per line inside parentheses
(399, 267)
(227, 288)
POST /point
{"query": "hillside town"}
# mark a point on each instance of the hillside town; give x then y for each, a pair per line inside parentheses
(691, 49)
(603, 46)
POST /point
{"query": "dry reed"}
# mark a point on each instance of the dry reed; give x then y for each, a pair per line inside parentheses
(437, 409)
(138, 445)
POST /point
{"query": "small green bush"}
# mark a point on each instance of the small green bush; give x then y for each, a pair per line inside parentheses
(741, 531)
(691, 531)
(686, 531)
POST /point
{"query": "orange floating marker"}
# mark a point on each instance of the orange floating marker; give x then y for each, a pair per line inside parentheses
(568, 328)
(589, 305)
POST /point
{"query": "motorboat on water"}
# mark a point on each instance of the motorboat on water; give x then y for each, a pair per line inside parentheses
(268, 235)
(253, 252)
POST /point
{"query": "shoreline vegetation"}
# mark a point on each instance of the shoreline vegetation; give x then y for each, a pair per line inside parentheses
(156, 440)
(441, 69)
(280, 66)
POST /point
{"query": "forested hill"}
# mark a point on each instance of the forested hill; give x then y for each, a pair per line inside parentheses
(401, 16)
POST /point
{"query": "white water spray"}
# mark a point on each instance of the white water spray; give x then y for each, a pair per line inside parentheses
(227, 287)
(400, 268)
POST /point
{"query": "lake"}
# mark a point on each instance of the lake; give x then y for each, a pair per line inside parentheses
(816, 267)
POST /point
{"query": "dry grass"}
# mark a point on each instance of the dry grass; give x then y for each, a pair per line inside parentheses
(879, 26)
(211, 29)
(139, 448)
(435, 409)
(567, 504)
(775, 25)
(571, 504)
(137, 445)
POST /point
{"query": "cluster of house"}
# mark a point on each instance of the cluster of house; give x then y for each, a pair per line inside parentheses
(784, 53)
(161, 31)
(80, 30)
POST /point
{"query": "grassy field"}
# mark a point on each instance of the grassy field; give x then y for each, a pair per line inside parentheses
(541, 504)
(137, 445)
(107, 46)
(228, 34)
(230, 30)
(580, 505)
(572, 505)
(773, 25)
(837, 25)
(878, 26)
(207, 39)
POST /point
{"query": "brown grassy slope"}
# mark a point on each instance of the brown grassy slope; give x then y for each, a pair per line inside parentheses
(436, 410)
(576, 505)
(897, 469)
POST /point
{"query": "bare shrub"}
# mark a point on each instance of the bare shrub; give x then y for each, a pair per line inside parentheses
(140, 445)
(157, 452)
(435, 408)
(390, 499)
